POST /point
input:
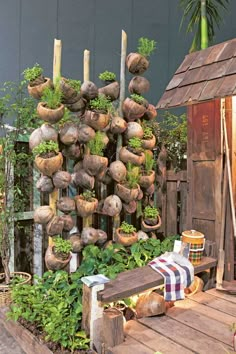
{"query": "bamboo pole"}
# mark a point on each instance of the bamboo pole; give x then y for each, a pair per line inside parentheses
(53, 197)
(116, 219)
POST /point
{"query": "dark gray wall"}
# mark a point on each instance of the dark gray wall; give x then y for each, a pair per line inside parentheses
(28, 28)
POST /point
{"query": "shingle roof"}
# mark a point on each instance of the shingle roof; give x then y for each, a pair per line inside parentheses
(203, 75)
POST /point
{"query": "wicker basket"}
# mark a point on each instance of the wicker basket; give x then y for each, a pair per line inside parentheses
(5, 291)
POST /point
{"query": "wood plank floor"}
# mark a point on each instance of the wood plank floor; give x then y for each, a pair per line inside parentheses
(198, 324)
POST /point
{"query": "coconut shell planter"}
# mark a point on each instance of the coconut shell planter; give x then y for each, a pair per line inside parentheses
(49, 165)
(126, 234)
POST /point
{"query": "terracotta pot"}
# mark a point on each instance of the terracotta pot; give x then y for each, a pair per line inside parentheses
(139, 85)
(49, 165)
(112, 205)
(85, 208)
(89, 90)
(61, 179)
(131, 207)
(86, 133)
(45, 185)
(97, 121)
(68, 222)
(127, 156)
(149, 143)
(54, 263)
(125, 239)
(112, 90)
(79, 107)
(66, 204)
(118, 171)
(125, 193)
(82, 179)
(55, 226)
(94, 164)
(146, 180)
(150, 113)
(118, 125)
(69, 133)
(148, 228)
(37, 91)
(45, 133)
(43, 214)
(72, 152)
(132, 110)
(136, 63)
(69, 94)
(89, 235)
(76, 242)
(133, 130)
(50, 115)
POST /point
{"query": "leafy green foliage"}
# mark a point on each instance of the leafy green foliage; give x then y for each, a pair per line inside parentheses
(75, 84)
(150, 212)
(146, 46)
(149, 161)
(107, 76)
(101, 104)
(132, 176)
(135, 143)
(52, 97)
(137, 98)
(97, 144)
(88, 195)
(173, 135)
(61, 245)
(46, 147)
(30, 74)
(147, 133)
(127, 228)
(192, 14)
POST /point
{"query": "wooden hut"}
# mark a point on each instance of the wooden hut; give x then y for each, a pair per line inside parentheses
(206, 83)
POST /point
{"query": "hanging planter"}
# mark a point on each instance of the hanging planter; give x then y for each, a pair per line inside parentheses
(82, 179)
(72, 152)
(112, 205)
(68, 222)
(76, 243)
(51, 109)
(126, 234)
(70, 90)
(66, 204)
(78, 107)
(58, 256)
(98, 116)
(55, 226)
(69, 133)
(85, 133)
(139, 85)
(137, 63)
(118, 125)
(131, 207)
(133, 153)
(86, 203)
(151, 219)
(89, 236)
(48, 159)
(151, 112)
(134, 130)
(61, 179)
(118, 171)
(43, 214)
(149, 139)
(94, 163)
(112, 88)
(45, 185)
(45, 133)
(104, 176)
(134, 107)
(89, 90)
(129, 190)
(37, 82)
(146, 179)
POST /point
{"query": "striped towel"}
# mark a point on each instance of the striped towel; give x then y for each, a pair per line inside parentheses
(178, 273)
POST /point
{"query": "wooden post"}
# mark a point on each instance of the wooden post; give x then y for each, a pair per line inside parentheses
(116, 219)
(56, 73)
(113, 330)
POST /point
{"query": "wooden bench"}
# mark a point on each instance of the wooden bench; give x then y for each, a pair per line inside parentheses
(125, 285)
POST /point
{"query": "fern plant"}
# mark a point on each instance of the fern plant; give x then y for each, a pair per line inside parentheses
(97, 144)
(133, 175)
(31, 74)
(146, 46)
(46, 147)
(52, 97)
(107, 76)
(149, 162)
(75, 84)
(101, 104)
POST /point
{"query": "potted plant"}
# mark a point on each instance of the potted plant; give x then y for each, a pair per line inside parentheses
(98, 114)
(147, 175)
(149, 139)
(94, 162)
(70, 90)
(138, 63)
(59, 254)
(133, 153)
(151, 219)
(37, 82)
(48, 158)
(126, 234)
(134, 107)
(51, 109)
(129, 189)
(44, 133)
(86, 203)
(112, 88)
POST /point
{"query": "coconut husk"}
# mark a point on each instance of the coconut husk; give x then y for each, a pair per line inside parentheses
(66, 204)
(118, 125)
(52, 262)
(134, 129)
(82, 179)
(85, 208)
(102, 237)
(139, 85)
(149, 144)
(48, 166)
(45, 185)
(61, 179)
(150, 190)
(112, 205)
(127, 156)
(72, 152)
(45, 133)
(50, 115)
(76, 242)
(131, 207)
(146, 180)
(112, 90)
(89, 235)
(36, 88)
(55, 226)
(69, 133)
(104, 176)
(94, 164)
(150, 113)
(132, 110)
(142, 235)
(125, 239)
(125, 193)
(68, 222)
(78, 107)
(151, 304)
(136, 63)
(69, 95)
(86, 133)
(78, 166)
(43, 214)
(97, 121)
(118, 171)
(89, 90)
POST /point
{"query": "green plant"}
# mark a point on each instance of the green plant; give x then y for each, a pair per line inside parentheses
(147, 133)
(52, 97)
(135, 143)
(101, 104)
(88, 195)
(149, 161)
(46, 147)
(150, 212)
(127, 228)
(133, 175)
(97, 144)
(107, 76)
(137, 98)
(75, 84)
(146, 46)
(61, 245)
(31, 74)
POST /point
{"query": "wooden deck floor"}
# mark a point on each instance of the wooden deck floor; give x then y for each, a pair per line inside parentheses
(199, 324)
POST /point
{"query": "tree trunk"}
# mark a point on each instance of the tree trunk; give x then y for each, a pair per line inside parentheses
(204, 26)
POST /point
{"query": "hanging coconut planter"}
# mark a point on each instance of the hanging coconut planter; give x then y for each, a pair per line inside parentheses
(43, 214)
(133, 110)
(89, 236)
(76, 243)
(48, 159)
(70, 90)
(69, 133)
(89, 90)
(37, 82)
(111, 90)
(131, 207)
(126, 234)
(138, 63)
(118, 125)
(126, 193)
(151, 219)
(94, 164)
(133, 130)
(72, 151)
(50, 115)
(104, 176)
(146, 179)
(151, 112)
(139, 85)
(102, 238)
(85, 133)
(68, 222)
(55, 226)
(117, 170)
(112, 205)
(45, 185)
(82, 179)
(78, 107)
(86, 204)
(128, 156)
(66, 204)
(45, 133)
(58, 255)
(61, 179)
(96, 120)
